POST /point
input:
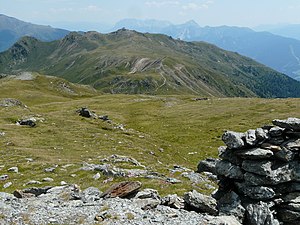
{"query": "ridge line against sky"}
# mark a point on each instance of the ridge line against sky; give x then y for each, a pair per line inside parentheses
(247, 13)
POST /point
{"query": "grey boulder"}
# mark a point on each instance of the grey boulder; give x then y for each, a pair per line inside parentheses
(90, 194)
(260, 214)
(200, 203)
(233, 140)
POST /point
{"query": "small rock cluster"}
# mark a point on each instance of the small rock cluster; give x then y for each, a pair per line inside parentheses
(85, 112)
(260, 174)
(10, 102)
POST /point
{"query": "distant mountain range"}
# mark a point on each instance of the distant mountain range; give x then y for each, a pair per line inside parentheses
(277, 52)
(127, 61)
(285, 30)
(12, 29)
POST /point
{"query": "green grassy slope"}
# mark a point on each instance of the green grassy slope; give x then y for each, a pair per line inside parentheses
(186, 130)
(130, 62)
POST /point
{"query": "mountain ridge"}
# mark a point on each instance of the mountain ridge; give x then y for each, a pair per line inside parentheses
(285, 30)
(127, 61)
(277, 52)
(11, 29)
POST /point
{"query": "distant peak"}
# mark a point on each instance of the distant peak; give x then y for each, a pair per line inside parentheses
(191, 23)
(73, 35)
(26, 39)
(125, 31)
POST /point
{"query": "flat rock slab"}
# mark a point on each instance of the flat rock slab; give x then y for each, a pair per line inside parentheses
(122, 190)
(255, 153)
(290, 123)
(263, 168)
(257, 192)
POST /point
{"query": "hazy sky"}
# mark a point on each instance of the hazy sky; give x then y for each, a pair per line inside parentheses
(205, 12)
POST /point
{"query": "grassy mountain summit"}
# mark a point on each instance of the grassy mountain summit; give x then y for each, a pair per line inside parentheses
(278, 52)
(126, 61)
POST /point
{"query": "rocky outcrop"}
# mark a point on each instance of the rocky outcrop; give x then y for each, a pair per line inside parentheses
(259, 174)
(11, 102)
(69, 205)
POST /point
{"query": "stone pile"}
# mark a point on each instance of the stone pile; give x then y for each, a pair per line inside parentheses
(259, 174)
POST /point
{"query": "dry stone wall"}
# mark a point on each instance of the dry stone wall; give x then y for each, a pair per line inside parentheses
(259, 174)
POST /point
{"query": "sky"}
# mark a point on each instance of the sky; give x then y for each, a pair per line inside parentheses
(88, 13)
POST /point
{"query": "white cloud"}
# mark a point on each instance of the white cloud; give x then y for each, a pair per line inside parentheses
(61, 10)
(191, 6)
(210, 2)
(92, 8)
(197, 6)
(160, 4)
